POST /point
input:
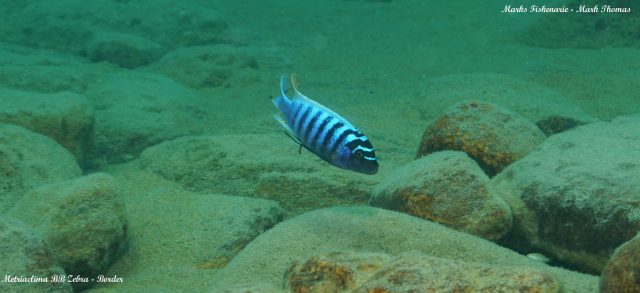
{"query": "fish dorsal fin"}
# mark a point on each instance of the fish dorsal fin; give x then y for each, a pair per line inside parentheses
(298, 95)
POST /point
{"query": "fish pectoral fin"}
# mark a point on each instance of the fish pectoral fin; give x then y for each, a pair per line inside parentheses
(299, 142)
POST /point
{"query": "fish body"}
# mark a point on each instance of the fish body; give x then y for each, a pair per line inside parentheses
(324, 132)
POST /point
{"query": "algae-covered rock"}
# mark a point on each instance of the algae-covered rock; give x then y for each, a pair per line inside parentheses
(623, 269)
(27, 160)
(576, 196)
(449, 188)
(24, 254)
(556, 124)
(64, 117)
(83, 220)
(412, 271)
(334, 272)
(490, 134)
(365, 229)
(124, 50)
(256, 165)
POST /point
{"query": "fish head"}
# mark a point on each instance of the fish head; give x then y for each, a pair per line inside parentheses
(360, 161)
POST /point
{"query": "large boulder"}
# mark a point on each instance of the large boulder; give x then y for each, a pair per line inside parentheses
(576, 196)
(28, 160)
(26, 261)
(412, 272)
(370, 230)
(490, 134)
(83, 220)
(623, 269)
(65, 117)
(449, 188)
(266, 166)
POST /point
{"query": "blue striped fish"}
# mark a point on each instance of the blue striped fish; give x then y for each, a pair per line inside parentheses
(324, 132)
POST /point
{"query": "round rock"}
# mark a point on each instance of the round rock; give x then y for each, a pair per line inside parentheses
(446, 187)
(490, 134)
(623, 269)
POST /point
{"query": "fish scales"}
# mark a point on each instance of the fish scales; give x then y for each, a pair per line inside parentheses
(324, 132)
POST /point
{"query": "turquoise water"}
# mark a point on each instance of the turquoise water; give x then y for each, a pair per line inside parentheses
(138, 148)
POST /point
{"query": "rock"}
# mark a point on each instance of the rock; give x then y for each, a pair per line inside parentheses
(412, 272)
(449, 188)
(493, 136)
(137, 110)
(28, 160)
(64, 117)
(365, 229)
(556, 124)
(83, 221)
(23, 254)
(575, 197)
(334, 272)
(622, 271)
(45, 71)
(209, 66)
(266, 166)
(124, 50)
(180, 239)
(47, 26)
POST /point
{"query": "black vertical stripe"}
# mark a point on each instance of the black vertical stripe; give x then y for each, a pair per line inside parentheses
(298, 112)
(315, 138)
(302, 119)
(313, 121)
(342, 136)
(327, 138)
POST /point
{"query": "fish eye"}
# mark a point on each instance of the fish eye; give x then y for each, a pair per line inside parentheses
(359, 154)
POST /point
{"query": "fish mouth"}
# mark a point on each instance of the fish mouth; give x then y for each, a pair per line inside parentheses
(370, 171)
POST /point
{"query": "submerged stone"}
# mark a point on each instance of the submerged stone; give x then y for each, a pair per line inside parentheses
(449, 188)
(490, 134)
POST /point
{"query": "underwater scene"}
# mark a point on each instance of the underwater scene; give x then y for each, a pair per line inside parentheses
(335, 146)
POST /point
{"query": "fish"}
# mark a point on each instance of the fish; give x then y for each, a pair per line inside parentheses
(538, 257)
(322, 131)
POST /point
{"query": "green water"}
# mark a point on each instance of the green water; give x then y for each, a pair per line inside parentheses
(138, 149)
